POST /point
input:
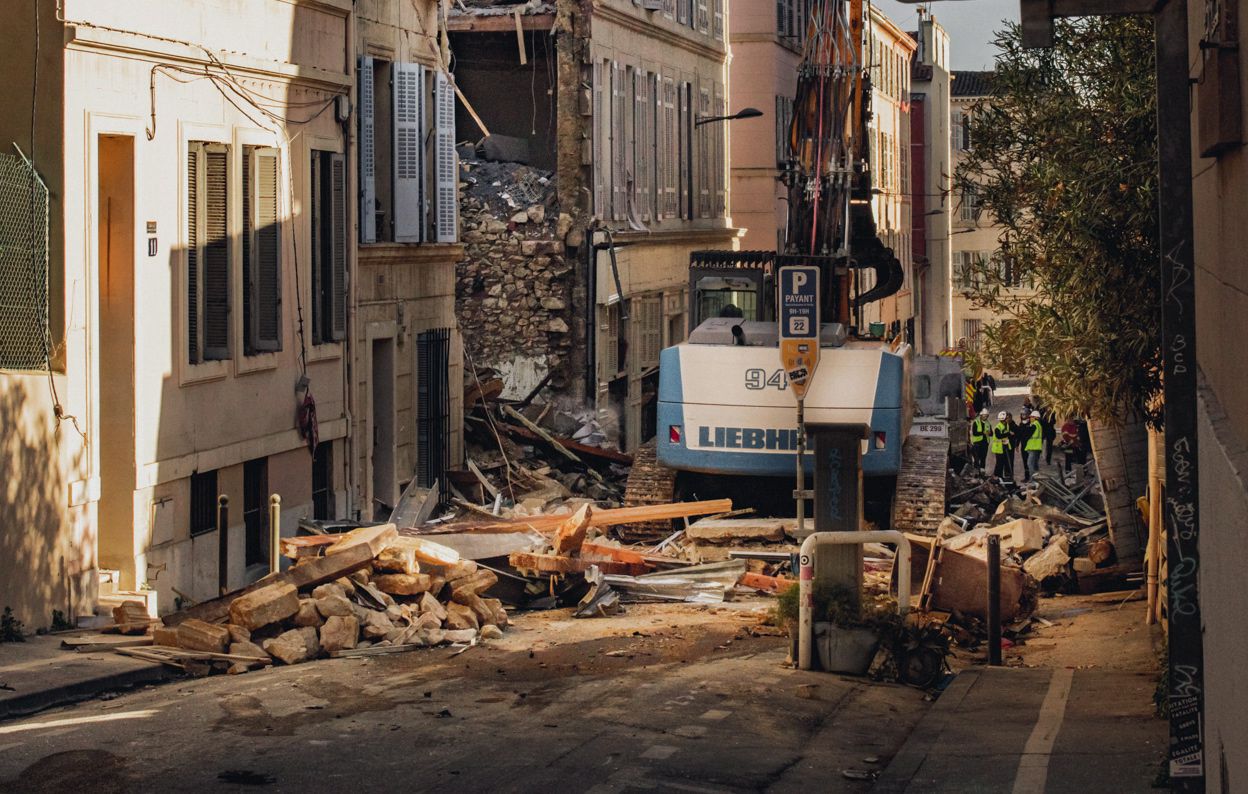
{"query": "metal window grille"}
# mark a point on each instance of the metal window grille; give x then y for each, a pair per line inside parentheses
(971, 330)
(433, 415)
(24, 340)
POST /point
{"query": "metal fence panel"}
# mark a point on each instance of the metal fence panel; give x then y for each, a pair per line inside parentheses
(24, 341)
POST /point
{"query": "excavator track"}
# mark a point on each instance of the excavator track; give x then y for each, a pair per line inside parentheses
(922, 483)
(649, 483)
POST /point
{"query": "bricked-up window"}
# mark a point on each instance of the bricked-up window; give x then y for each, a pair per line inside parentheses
(207, 252)
(329, 247)
(23, 266)
(203, 516)
(262, 251)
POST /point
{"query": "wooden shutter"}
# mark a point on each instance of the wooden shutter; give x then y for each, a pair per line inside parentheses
(194, 152)
(215, 253)
(670, 147)
(704, 156)
(599, 143)
(717, 19)
(703, 17)
(683, 15)
(684, 131)
(720, 132)
(264, 269)
(338, 254)
(609, 354)
(368, 152)
(447, 177)
(618, 186)
(409, 151)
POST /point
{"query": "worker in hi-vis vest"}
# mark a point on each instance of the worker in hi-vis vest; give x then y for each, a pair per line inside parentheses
(979, 439)
(1003, 448)
(1033, 446)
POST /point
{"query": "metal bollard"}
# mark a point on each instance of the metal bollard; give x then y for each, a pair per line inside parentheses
(275, 532)
(223, 543)
(994, 599)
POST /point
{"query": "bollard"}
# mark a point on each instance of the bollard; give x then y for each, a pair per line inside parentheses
(275, 532)
(223, 543)
(994, 599)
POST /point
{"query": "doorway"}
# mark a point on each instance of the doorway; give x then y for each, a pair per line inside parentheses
(115, 277)
(384, 492)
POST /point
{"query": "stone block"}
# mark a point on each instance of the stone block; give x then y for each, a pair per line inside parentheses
(460, 617)
(270, 604)
(402, 583)
(308, 614)
(339, 634)
(334, 606)
(196, 635)
(288, 648)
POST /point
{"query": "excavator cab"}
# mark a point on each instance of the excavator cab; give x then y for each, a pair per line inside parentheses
(730, 284)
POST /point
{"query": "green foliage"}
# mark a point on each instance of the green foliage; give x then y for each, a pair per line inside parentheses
(59, 623)
(11, 629)
(1065, 161)
(837, 605)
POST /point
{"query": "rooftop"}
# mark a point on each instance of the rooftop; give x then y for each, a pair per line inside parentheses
(966, 84)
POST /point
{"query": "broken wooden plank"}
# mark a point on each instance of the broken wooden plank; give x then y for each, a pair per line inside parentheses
(571, 533)
(374, 538)
(601, 518)
(770, 584)
(584, 450)
(303, 546)
(99, 643)
(738, 530)
(553, 563)
(485, 483)
(547, 437)
(374, 650)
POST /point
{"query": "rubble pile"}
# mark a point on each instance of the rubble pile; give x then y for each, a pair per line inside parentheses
(514, 286)
(358, 593)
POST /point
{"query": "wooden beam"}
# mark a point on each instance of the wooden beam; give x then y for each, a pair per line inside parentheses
(499, 23)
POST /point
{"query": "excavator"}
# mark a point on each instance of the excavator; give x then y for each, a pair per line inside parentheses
(726, 419)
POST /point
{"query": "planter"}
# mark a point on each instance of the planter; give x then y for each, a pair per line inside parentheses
(844, 650)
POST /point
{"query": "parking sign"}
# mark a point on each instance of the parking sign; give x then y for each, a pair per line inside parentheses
(798, 315)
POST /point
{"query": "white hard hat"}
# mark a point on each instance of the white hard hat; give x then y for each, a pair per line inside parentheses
(1001, 416)
(983, 412)
(1035, 414)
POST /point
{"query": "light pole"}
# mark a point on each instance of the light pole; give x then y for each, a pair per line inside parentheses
(744, 113)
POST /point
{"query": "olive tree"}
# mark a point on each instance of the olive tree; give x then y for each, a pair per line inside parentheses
(1064, 160)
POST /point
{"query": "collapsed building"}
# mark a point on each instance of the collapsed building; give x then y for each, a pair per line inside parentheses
(590, 183)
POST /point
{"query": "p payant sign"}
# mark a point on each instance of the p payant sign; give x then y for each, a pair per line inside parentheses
(798, 315)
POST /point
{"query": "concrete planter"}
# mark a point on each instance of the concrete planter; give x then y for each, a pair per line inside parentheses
(844, 650)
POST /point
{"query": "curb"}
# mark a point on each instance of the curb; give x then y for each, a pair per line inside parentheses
(902, 769)
(31, 702)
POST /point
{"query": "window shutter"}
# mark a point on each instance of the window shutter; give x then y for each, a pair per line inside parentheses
(600, 170)
(703, 17)
(682, 12)
(618, 186)
(704, 156)
(216, 253)
(447, 163)
(265, 270)
(409, 150)
(368, 161)
(194, 152)
(670, 147)
(610, 353)
(684, 131)
(338, 253)
(720, 132)
(669, 8)
(717, 23)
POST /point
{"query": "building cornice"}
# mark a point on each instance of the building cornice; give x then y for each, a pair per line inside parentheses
(91, 38)
(662, 237)
(661, 33)
(408, 254)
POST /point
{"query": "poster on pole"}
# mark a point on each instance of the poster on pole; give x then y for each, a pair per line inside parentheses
(798, 315)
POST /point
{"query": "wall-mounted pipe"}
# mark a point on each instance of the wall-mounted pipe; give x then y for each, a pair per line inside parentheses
(806, 579)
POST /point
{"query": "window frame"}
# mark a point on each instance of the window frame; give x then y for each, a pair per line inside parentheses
(195, 507)
(201, 370)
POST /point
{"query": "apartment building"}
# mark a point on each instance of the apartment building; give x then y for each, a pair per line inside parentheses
(933, 206)
(184, 327)
(889, 53)
(618, 99)
(974, 239)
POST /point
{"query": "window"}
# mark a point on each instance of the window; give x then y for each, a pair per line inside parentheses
(262, 244)
(964, 269)
(671, 147)
(649, 322)
(784, 120)
(23, 266)
(619, 209)
(961, 131)
(971, 331)
(602, 181)
(329, 247)
(256, 511)
(1011, 273)
(792, 17)
(207, 252)
(203, 516)
(433, 410)
(686, 151)
(970, 205)
(704, 155)
(323, 481)
(408, 172)
(610, 353)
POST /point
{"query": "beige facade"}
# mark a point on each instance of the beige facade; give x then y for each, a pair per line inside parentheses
(934, 208)
(633, 169)
(201, 240)
(974, 239)
(766, 50)
(890, 52)
(1220, 207)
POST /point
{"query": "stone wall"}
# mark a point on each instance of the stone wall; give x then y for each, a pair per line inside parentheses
(513, 294)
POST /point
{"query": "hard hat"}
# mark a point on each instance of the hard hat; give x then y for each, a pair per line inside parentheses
(1035, 414)
(1001, 416)
(983, 412)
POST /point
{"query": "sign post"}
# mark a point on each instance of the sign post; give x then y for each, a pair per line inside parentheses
(798, 315)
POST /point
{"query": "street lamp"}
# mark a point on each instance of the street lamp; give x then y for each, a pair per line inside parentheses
(744, 113)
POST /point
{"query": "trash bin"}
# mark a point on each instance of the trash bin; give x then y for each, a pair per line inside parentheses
(876, 329)
(844, 650)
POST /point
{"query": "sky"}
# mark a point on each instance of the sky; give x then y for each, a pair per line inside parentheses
(971, 24)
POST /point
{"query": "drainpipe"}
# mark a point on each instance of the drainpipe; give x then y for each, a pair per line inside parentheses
(806, 579)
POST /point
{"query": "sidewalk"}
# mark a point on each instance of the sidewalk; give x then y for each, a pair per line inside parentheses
(39, 673)
(1081, 721)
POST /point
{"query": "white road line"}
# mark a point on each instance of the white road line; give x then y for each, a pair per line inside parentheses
(1033, 767)
(34, 726)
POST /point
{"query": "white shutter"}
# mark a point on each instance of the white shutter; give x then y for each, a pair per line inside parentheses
(618, 187)
(703, 17)
(368, 153)
(670, 149)
(447, 164)
(704, 156)
(599, 132)
(409, 152)
(717, 152)
(717, 24)
(683, 131)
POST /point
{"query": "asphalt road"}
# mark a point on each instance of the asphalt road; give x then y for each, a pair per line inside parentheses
(670, 698)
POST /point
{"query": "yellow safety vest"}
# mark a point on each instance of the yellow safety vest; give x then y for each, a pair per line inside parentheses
(1000, 438)
(979, 429)
(1036, 442)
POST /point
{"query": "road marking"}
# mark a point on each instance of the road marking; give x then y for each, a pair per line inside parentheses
(34, 726)
(659, 752)
(1033, 767)
(715, 714)
(691, 731)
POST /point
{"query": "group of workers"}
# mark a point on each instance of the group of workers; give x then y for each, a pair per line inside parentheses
(1035, 434)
